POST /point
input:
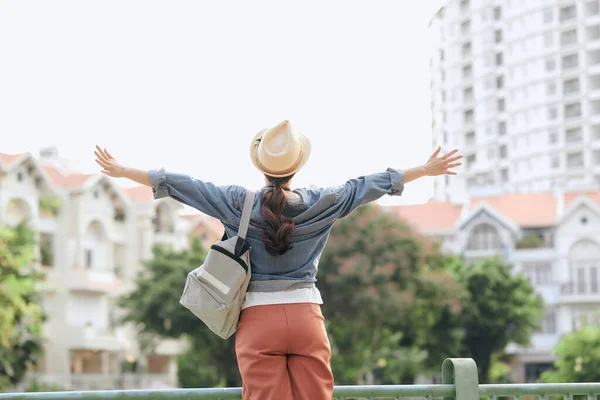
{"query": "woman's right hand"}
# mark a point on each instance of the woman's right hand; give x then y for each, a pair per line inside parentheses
(110, 166)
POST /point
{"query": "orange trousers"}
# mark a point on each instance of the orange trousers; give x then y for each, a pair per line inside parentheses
(283, 353)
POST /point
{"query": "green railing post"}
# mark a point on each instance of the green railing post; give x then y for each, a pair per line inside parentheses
(462, 373)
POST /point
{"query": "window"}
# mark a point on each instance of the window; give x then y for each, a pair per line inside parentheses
(538, 273)
(484, 237)
(499, 59)
(467, 71)
(570, 61)
(575, 160)
(568, 37)
(502, 128)
(466, 49)
(593, 32)
(568, 13)
(552, 113)
(548, 16)
(573, 135)
(571, 86)
(465, 27)
(470, 138)
(468, 94)
(47, 249)
(503, 151)
(497, 13)
(550, 64)
(470, 160)
(550, 88)
(498, 36)
(553, 137)
(468, 116)
(501, 105)
(500, 82)
(555, 162)
(504, 174)
(89, 258)
(573, 110)
(548, 323)
(491, 153)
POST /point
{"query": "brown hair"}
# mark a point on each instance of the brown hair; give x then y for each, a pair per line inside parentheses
(278, 227)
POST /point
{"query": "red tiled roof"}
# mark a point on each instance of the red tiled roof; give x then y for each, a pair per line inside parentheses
(140, 193)
(524, 209)
(571, 197)
(8, 159)
(67, 181)
(432, 216)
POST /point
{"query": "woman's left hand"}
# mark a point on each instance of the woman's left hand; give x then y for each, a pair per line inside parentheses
(442, 165)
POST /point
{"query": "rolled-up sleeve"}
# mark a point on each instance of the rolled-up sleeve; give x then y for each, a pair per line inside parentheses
(221, 202)
(368, 188)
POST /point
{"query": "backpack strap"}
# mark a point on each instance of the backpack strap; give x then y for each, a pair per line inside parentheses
(242, 246)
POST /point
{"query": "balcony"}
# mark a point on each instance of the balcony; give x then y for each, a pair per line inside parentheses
(580, 291)
(90, 338)
(82, 280)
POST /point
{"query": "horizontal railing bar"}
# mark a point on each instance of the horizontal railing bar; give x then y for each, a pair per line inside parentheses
(425, 391)
(539, 389)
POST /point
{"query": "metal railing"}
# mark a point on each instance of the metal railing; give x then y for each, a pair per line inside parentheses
(459, 381)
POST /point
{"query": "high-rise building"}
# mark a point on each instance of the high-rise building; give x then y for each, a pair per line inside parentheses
(515, 85)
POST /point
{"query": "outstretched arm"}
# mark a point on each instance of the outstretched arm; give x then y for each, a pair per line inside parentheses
(365, 189)
(221, 202)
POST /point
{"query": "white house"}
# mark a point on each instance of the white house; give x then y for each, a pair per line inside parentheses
(552, 238)
(91, 250)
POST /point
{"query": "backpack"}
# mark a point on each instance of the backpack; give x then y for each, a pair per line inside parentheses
(216, 290)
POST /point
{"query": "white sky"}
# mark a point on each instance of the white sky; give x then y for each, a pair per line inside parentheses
(187, 84)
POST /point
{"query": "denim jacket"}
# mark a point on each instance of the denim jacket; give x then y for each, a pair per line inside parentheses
(314, 211)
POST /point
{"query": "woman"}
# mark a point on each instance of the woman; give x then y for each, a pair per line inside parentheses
(281, 344)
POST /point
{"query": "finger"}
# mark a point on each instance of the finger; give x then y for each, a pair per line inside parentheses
(436, 152)
(450, 173)
(454, 165)
(103, 165)
(101, 152)
(107, 153)
(100, 156)
(447, 155)
(451, 160)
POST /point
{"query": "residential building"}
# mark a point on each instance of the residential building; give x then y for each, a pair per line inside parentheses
(550, 237)
(516, 86)
(94, 237)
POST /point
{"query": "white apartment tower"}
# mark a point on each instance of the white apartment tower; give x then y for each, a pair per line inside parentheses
(515, 85)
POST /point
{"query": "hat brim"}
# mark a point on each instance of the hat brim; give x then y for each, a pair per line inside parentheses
(306, 148)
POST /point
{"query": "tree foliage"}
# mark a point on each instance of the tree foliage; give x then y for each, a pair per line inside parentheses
(501, 308)
(154, 307)
(390, 314)
(578, 357)
(21, 316)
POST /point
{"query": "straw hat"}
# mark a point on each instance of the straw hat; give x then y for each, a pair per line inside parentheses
(279, 151)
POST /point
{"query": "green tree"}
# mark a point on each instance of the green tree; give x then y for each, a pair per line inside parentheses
(391, 309)
(502, 308)
(21, 317)
(578, 357)
(153, 306)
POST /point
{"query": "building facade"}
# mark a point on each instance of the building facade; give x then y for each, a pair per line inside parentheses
(550, 237)
(516, 86)
(93, 238)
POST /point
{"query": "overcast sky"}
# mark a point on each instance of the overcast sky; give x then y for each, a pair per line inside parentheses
(187, 84)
